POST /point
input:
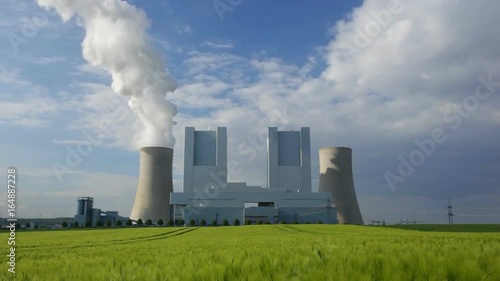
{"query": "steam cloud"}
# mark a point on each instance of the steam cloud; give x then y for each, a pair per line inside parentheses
(116, 40)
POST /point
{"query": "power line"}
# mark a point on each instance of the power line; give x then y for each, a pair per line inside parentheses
(489, 215)
(378, 222)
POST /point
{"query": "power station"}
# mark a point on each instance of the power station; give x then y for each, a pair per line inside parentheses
(208, 195)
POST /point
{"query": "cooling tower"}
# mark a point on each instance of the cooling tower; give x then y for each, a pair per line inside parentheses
(335, 165)
(152, 200)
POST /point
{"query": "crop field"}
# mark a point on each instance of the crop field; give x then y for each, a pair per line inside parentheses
(257, 252)
(451, 227)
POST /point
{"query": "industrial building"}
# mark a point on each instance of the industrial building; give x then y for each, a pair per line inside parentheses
(86, 213)
(208, 196)
(289, 160)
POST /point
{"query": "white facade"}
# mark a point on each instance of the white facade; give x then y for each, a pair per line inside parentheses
(205, 159)
(289, 160)
(208, 196)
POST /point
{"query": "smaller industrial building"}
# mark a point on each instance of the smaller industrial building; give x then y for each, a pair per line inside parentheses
(86, 213)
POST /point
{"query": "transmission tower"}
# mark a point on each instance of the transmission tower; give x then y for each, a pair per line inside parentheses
(450, 212)
(328, 210)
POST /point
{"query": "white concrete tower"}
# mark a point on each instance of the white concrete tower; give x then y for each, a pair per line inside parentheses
(205, 160)
(335, 165)
(289, 160)
(152, 200)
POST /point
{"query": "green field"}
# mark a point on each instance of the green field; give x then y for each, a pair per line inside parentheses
(451, 227)
(259, 252)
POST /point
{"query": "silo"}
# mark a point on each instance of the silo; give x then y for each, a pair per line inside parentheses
(80, 210)
(84, 210)
(152, 200)
(335, 164)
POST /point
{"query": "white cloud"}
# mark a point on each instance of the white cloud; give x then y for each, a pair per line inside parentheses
(423, 55)
(23, 103)
(166, 45)
(13, 77)
(203, 63)
(202, 94)
(104, 113)
(70, 142)
(4, 23)
(50, 60)
(89, 69)
(217, 44)
(184, 29)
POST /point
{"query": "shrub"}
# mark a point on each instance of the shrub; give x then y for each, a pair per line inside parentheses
(99, 224)
(282, 222)
(214, 223)
(236, 222)
(76, 224)
(139, 221)
(295, 222)
(259, 222)
(192, 222)
(320, 222)
(267, 222)
(170, 222)
(159, 222)
(118, 223)
(225, 222)
(203, 222)
(108, 223)
(247, 222)
(128, 222)
(181, 222)
(149, 222)
(88, 224)
(64, 224)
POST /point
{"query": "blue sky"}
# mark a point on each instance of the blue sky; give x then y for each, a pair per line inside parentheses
(378, 85)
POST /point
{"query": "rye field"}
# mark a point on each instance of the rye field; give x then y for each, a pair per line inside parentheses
(257, 252)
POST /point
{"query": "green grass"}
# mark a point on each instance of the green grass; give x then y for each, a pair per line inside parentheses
(451, 227)
(263, 252)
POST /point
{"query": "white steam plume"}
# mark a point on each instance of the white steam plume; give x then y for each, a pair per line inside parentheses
(116, 40)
